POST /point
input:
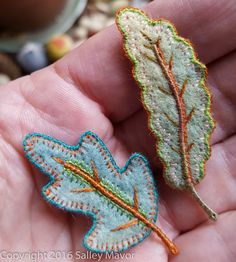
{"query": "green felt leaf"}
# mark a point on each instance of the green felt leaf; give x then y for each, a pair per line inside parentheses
(174, 94)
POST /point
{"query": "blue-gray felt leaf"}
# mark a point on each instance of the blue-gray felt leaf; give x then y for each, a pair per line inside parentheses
(115, 228)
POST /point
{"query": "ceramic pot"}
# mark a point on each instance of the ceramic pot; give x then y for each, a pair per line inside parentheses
(28, 15)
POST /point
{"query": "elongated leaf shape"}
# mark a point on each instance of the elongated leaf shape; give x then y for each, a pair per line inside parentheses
(174, 94)
(85, 178)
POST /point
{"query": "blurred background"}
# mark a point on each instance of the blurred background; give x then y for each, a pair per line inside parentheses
(35, 33)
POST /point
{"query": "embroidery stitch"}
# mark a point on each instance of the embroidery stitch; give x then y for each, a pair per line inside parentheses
(175, 96)
(81, 181)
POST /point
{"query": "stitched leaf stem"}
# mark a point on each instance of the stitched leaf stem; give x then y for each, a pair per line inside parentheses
(212, 214)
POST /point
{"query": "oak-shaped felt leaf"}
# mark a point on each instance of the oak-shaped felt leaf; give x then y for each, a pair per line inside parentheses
(85, 178)
(174, 94)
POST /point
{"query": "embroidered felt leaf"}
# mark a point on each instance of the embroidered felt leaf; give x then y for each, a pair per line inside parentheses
(85, 178)
(172, 81)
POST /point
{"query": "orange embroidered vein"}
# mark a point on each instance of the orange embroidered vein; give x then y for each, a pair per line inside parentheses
(131, 223)
(110, 195)
(95, 172)
(183, 119)
(136, 201)
(82, 190)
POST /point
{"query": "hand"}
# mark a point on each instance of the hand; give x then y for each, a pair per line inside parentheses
(92, 89)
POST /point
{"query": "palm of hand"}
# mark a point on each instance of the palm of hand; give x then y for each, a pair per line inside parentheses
(91, 89)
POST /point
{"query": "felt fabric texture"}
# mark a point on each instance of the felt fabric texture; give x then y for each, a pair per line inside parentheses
(133, 184)
(175, 96)
(174, 93)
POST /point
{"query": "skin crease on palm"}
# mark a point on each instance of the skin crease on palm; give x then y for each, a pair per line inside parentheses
(92, 89)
